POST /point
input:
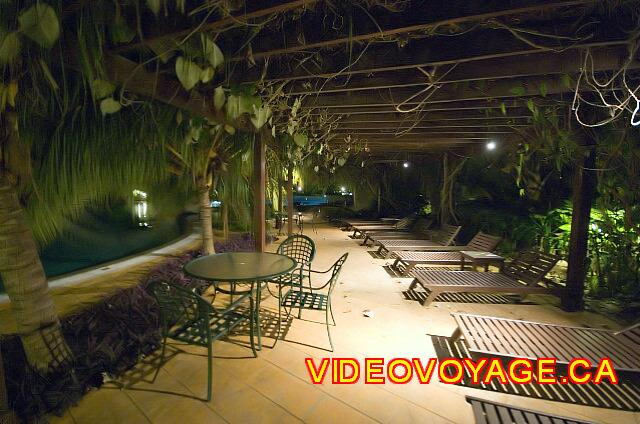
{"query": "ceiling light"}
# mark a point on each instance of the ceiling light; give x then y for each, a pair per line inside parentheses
(406, 164)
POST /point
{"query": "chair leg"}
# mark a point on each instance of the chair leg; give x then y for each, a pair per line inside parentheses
(256, 316)
(331, 311)
(413, 284)
(300, 300)
(210, 372)
(365, 242)
(432, 296)
(251, 328)
(279, 315)
(328, 329)
(408, 268)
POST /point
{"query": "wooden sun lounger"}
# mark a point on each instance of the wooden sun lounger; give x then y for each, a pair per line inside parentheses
(486, 412)
(440, 238)
(402, 224)
(350, 223)
(513, 338)
(419, 231)
(407, 260)
(522, 276)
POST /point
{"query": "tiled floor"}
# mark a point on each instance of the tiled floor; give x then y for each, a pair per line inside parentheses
(275, 387)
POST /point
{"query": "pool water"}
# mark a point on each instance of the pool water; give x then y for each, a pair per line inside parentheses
(97, 238)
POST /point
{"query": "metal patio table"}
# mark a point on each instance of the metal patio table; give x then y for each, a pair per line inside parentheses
(241, 267)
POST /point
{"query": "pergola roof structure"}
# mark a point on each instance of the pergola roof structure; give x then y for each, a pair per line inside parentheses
(402, 76)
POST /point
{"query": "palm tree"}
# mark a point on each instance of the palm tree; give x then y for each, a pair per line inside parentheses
(58, 155)
(202, 157)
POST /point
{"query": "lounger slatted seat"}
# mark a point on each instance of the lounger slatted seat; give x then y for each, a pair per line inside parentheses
(407, 260)
(525, 339)
(350, 223)
(404, 223)
(522, 276)
(419, 231)
(486, 412)
(440, 238)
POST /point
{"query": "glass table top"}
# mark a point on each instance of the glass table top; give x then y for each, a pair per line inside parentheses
(239, 266)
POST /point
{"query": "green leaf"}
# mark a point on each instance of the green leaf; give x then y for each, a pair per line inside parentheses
(517, 91)
(566, 80)
(240, 104)
(40, 23)
(188, 73)
(155, 6)
(229, 129)
(102, 88)
(212, 52)
(260, 116)
(120, 32)
(9, 48)
(219, 97)
(543, 89)
(300, 139)
(342, 161)
(233, 107)
(109, 105)
(207, 74)
(531, 106)
(503, 108)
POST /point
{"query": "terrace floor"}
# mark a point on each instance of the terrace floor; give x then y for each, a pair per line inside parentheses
(275, 387)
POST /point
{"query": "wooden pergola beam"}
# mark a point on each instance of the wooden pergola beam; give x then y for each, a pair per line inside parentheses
(221, 23)
(392, 118)
(456, 20)
(502, 89)
(479, 46)
(386, 126)
(372, 134)
(455, 109)
(546, 63)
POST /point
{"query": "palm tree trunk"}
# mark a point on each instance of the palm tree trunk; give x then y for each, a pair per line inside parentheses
(26, 284)
(206, 224)
(225, 219)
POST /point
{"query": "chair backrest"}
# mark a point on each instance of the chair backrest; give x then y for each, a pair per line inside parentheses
(299, 247)
(184, 314)
(631, 333)
(531, 266)
(488, 412)
(406, 222)
(484, 242)
(335, 271)
(446, 234)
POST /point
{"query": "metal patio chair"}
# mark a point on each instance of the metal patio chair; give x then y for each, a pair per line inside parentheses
(302, 249)
(189, 318)
(312, 299)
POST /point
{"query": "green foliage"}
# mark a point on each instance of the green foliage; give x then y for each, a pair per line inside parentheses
(188, 72)
(40, 24)
(9, 48)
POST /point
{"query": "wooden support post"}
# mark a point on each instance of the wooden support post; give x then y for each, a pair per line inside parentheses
(259, 193)
(584, 191)
(290, 200)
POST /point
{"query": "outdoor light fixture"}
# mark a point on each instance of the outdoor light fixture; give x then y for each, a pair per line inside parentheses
(343, 189)
(299, 188)
(406, 164)
(491, 145)
(140, 207)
